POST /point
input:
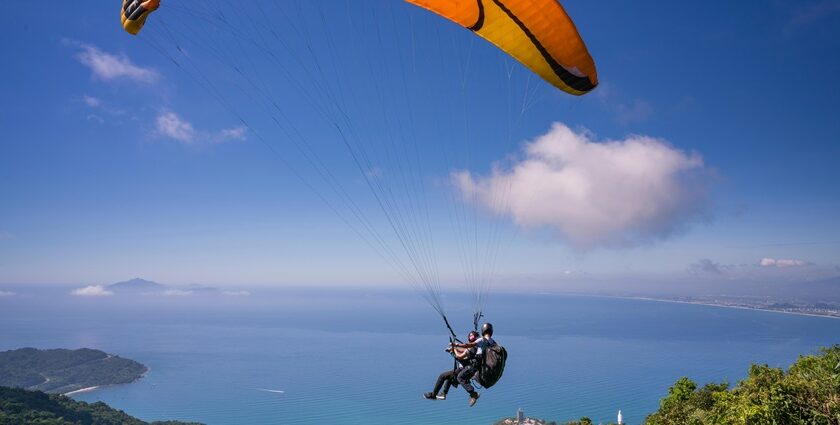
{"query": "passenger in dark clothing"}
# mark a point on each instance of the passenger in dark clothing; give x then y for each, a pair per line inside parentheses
(465, 374)
(445, 380)
(448, 378)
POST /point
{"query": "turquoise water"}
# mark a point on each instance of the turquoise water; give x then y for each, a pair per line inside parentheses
(353, 358)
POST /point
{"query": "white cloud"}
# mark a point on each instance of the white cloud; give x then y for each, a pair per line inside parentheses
(773, 262)
(171, 125)
(92, 291)
(610, 193)
(108, 66)
(236, 293)
(91, 101)
(176, 293)
(237, 133)
(7, 294)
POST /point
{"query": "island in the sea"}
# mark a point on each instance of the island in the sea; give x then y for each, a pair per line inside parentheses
(62, 371)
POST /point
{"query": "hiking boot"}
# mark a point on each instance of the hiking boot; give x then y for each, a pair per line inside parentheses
(473, 398)
(429, 396)
(442, 396)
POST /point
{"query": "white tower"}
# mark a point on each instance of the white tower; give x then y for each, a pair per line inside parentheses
(620, 418)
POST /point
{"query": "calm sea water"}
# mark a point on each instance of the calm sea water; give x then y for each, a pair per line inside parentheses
(353, 358)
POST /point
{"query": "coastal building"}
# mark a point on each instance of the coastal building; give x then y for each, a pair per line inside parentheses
(620, 419)
(521, 419)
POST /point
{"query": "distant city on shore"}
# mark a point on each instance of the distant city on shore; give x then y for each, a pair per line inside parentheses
(828, 309)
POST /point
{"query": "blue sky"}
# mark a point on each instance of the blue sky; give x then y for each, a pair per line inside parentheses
(159, 155)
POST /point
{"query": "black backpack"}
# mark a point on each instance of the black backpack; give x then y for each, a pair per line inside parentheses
(491, 366)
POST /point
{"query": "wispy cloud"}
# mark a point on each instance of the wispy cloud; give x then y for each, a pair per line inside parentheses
(177, 293)
(100, 105)
(374, 173)
(777, 244)
(589, 193)
(109, 66)
(91, 101)
(237, 133)
(171, 125)
(623, 111)
(92, 291)
(780, 263)
(706, 265)
(638, 110)
(236, 293)
(7, 294)
(100, 109)
(806, 13)
(95, 118)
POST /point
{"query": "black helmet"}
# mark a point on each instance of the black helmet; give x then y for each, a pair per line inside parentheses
(487, 329)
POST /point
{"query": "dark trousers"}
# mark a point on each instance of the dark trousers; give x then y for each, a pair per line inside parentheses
(464, 376)
(445, 380)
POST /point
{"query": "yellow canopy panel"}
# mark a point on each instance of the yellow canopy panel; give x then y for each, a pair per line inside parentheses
(135, 12)
(537, 33)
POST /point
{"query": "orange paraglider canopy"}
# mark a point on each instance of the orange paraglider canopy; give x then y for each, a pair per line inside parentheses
(537, 33)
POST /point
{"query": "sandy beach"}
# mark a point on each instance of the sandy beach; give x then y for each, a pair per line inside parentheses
(81, 390)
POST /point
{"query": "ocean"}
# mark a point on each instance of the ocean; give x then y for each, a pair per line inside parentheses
(366, 357)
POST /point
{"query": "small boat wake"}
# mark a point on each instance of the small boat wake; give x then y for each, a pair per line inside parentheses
(270, 391)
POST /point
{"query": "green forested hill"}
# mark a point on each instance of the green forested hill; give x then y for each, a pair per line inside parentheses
(806, 394)
(22, 407)
(62, 371)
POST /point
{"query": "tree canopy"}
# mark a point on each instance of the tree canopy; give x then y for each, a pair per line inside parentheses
(807, 393)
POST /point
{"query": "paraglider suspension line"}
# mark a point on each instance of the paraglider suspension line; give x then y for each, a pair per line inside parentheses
(476, 317)
(453, 337)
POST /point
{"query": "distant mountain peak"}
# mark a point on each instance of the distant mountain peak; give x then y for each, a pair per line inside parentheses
(137, 283)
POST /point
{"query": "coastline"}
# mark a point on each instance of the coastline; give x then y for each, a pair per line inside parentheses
(665, 300)
(96, 387)
(703, 303)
